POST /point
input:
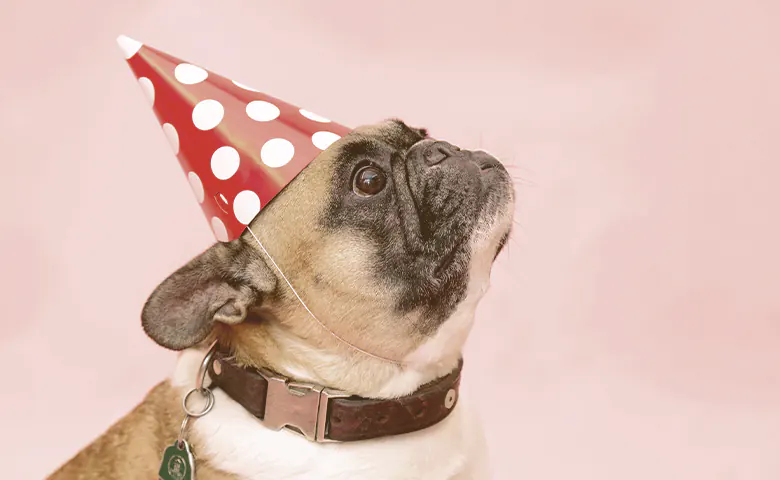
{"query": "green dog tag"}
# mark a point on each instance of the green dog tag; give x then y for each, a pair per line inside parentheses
(177, 463)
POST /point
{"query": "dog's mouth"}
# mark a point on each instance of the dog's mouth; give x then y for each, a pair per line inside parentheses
(489, 164)
(485, 161)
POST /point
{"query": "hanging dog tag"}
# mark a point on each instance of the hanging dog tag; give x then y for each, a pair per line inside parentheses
(177, 463)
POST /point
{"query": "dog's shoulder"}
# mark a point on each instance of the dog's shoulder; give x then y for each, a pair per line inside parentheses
(132, 444)
(132, 447)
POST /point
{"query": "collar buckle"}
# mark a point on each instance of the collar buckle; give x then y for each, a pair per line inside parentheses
(299, 407)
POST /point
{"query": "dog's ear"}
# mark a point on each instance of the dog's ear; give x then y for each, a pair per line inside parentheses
(220, 285)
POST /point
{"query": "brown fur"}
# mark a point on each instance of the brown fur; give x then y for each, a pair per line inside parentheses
(132, 447)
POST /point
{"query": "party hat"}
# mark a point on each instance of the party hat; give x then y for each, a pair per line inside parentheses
(237, 146)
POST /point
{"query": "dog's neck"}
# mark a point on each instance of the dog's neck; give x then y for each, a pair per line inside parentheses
(281, 351)
(330, 364)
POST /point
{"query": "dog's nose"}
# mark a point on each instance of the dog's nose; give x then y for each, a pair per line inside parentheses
(439, 151)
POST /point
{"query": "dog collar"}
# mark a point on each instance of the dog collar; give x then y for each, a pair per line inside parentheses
(324, 415)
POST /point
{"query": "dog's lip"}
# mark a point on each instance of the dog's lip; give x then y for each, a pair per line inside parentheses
(485, 161)
(501, 244)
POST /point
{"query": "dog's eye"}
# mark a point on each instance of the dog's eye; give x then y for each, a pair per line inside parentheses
(368, 181)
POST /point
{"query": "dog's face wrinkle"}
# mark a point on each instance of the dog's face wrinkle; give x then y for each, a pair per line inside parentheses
(411, 222)
(429, 268)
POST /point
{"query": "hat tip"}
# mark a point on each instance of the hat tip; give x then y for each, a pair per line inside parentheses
(128, 46)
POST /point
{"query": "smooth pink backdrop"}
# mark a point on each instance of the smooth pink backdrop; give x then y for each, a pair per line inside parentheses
(633, 329)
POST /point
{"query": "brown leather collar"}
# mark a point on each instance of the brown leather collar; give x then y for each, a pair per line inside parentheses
(325, 415)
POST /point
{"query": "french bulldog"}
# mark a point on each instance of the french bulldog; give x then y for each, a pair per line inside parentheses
(361, 276)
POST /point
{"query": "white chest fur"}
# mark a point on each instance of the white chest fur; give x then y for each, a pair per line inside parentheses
(236, 442)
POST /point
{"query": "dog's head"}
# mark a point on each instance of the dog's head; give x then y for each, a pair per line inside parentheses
(388, 236)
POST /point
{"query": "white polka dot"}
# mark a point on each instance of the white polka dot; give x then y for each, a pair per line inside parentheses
(189, 74)
(277, 152)
(207, 114)
(314, 116)
(323, 140)
(148, 88)
(219, 229)
(224, 162)
(246, 206)
(129, 46)
(241, 85)
(173, 137)
(262, 111)
(197, 186)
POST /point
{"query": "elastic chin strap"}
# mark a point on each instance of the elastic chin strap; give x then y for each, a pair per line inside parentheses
(311, 314)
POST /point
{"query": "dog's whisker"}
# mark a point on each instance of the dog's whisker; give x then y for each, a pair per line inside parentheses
(523, 181)
(514, 167)
(512, 238)
(519, 225)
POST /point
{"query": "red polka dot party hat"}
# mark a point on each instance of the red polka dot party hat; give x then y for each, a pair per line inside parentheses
(237, 146)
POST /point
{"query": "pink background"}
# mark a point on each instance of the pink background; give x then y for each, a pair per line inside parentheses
(633, 329)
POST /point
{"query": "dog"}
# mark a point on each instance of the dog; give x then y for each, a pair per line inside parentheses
(361, 277)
